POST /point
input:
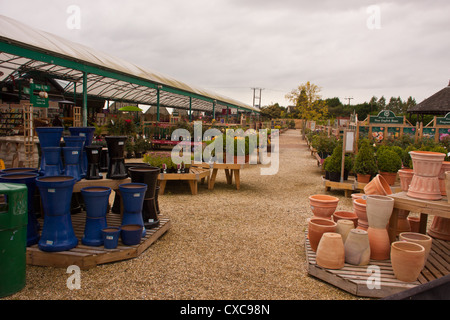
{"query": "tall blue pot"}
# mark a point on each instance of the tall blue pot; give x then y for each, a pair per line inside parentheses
(88, 134)
(72, 157)
(133, 195)
(49, 137)
(52, 161)
(57, 231)
(96, 200)
(77, 142)
(29, 179)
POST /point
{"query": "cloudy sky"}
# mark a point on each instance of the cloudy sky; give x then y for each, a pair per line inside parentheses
(349, 48)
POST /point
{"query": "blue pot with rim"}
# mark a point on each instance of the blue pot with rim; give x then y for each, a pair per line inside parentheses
(96, 200)
(77, 142)
(133, 195)
(88, 134)
(57, 231)
(72, 157)
(52, 161)
(29, 179)
(49, 137)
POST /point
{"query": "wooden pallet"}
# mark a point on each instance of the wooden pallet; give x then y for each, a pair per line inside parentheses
(355, 279)
(87, 257)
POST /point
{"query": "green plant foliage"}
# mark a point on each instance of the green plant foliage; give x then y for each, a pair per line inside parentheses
(365, 162)
(388, 161)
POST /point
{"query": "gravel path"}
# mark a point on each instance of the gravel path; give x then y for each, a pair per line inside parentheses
(224, 243)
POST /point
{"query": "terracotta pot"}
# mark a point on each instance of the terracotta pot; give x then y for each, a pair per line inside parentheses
(379, 210)
(359, 207)
(378, 185)
(359, 196)
(405, 176)
(425, 182)
(323, 206)
(407, 260)
(343, 228)
(316, 228)
(346, 215)
(363, 178)
(390, 177)
(357, 247)
(402, 222)
(414, 223)
(379, 243)
(425, 241)
(447, 185)
(440, 228)
(445, 167)
(330, 251)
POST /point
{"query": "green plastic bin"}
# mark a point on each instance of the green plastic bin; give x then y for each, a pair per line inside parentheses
(13, 237)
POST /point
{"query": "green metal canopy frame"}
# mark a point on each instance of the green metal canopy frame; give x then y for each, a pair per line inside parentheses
(90, 73)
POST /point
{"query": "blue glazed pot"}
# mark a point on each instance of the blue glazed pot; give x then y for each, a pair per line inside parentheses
(52, 161)
(72, 157)
(133, 195)
(96, 200)
(131, 234)
(111, 237)
(77, 142)
(19, 170)
(29, 179)
(88, 134)
(49, 137)
(57, 231)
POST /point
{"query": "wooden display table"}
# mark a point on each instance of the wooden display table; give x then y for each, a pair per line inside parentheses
(112, 183)
(195, 174)
(439, 208)
(231, 169)
(351, 185)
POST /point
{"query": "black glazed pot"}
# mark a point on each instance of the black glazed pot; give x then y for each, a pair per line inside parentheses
(116, 159)
(93, 153)
(149, 176)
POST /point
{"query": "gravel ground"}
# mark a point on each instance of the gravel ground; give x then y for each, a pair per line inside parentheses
(245, 244)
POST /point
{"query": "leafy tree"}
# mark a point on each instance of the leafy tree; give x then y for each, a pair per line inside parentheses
(307, 100)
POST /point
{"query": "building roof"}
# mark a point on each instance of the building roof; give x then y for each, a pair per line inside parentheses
(438, 103)
(24, 49)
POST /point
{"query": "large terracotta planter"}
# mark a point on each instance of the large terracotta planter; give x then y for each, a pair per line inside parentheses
(316, 228)
(407, 260)
(425, 241)
(390, 177)
(445, 167)
(346, 215)
(378, 185)
(405, 176)
(379, 210)
(359, 207)
(440, 228)
(414, 223)
(402, 222)
(330, 251)
(323, 206)
(357, 247)
(343, 228)
(425, 182)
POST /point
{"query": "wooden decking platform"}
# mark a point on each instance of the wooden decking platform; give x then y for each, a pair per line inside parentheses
(87, 257)
(357, 280)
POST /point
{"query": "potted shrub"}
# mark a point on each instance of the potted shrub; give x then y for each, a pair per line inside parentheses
(365, 165)
(389, 162)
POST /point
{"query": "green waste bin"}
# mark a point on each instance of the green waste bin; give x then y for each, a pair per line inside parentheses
(13, 237)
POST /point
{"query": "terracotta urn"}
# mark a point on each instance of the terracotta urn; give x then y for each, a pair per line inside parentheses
(390, 177)
(359, 207)
(425, 241)
(331, 251)
(316, 228)
(379, 210)
(445, 167)
(357, 248)
(425, 182)
(343, 228)
(378, 185)
(405, 176)
(346, 215)
(414, 223)
(440, 228)
(323, 206)
(407, 260)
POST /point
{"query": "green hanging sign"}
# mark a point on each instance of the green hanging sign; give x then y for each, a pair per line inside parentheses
(36, 100)
(386, 116)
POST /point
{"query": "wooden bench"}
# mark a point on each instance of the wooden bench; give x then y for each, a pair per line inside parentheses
(195, 174)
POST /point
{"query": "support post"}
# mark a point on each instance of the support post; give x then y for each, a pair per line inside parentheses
(84, 99)
(157, 102)
(190, 109)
